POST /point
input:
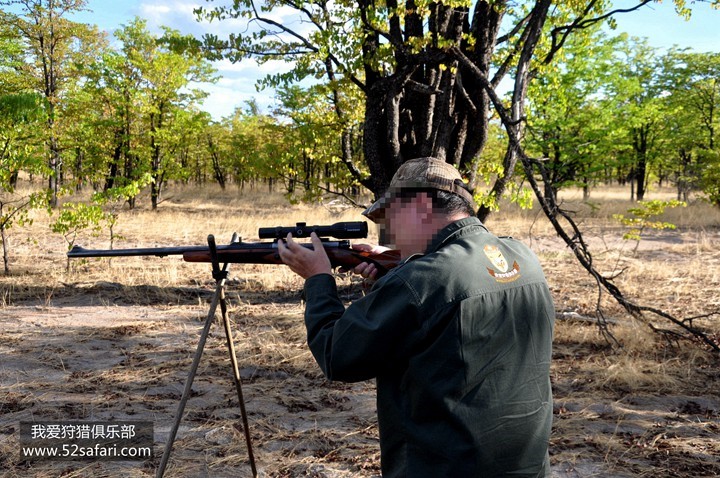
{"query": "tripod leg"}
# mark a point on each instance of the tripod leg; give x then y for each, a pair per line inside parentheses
(190, 378)
(238, 383)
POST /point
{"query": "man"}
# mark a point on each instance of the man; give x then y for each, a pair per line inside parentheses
(458, 336)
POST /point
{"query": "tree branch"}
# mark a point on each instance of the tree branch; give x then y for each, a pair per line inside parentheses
(581, 23)
(327, 190)
(577, 244)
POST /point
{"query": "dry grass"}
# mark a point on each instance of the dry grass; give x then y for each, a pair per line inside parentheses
(115, 339)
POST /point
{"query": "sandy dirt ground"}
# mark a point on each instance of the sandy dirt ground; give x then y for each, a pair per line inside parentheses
(89, 353)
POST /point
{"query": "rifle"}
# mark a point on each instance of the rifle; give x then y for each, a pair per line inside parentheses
(340, 252)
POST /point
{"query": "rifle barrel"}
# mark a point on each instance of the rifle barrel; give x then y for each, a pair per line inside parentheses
(78, 251)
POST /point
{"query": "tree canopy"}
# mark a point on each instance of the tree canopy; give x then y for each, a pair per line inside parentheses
(431, 75)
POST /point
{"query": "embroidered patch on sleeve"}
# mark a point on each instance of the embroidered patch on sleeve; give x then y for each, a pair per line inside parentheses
(503, 272)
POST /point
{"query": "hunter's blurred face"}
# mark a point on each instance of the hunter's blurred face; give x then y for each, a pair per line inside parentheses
(404, 225)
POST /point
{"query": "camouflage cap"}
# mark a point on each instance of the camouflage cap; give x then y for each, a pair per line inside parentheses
(421, 173)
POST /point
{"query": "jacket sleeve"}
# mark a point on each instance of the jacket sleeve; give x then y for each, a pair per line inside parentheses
(368, 337)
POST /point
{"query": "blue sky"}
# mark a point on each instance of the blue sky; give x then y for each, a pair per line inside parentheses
(657, 22)
(664, 28)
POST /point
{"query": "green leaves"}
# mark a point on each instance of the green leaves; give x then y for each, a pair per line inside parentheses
(643, 218)
(76, 217)
(19, 143)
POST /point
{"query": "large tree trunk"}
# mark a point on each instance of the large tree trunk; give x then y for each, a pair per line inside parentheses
(438, 102)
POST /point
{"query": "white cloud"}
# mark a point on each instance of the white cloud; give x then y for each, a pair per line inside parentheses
(229, 94)
(252, 68)
(154, 11)
(159, 10)
(176, 14)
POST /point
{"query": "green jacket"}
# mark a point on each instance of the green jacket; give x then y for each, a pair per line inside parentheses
(459, 340)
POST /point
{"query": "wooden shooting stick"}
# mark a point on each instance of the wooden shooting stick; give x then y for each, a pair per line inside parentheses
(220, 276)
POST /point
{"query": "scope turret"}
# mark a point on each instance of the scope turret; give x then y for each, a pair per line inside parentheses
(339, 230)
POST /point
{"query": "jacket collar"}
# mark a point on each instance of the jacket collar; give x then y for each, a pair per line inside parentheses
(454, 230)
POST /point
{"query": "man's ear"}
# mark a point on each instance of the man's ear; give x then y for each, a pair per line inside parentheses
(425, 209)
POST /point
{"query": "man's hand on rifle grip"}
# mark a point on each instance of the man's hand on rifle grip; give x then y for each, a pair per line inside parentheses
(303, 261)
(367, 269)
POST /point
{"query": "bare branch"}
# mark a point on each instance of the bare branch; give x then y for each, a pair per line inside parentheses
(560, 34)
(579, 247)
(327, 190)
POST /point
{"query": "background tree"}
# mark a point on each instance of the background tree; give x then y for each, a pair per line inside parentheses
(114, 88)
(19, 151)
(571, 122)
(165, 76)
(147, 109)
(52, 45)
(255, 147)
(636, 94)
(217, 137)
(691, 84)
(194, 146)
(312, 164)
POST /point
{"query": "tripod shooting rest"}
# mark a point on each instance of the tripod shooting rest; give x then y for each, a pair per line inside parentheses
(220, 276)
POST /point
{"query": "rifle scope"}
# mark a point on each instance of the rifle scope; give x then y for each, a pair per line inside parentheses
(339, 230)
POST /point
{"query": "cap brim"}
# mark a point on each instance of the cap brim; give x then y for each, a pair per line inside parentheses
(377, 209)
